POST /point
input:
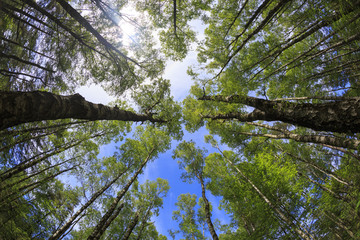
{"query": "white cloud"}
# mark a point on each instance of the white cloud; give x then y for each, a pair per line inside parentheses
(180, 81)
(95, 94)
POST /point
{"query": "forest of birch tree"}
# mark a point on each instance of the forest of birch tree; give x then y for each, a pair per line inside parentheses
(275, 86)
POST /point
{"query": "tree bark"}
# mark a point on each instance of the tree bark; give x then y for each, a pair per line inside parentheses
(318, 139)
(131, 226)
(346, 143)
(207, 211)
(109, 221)
(67, 225)
(83, 22)
(341, 116)
(95, 234)
(23, 107)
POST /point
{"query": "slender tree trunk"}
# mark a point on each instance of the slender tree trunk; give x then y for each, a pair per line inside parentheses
(37, 129)
(315, 166)
(76, 15)
(104, 219)
(27, 164)
(299, 231)
(319, 139)
(33, 175)
(58, 22)
(354, 155)
(3, 55)
(334, 141)
(30, 187)
(342, 115)
(207, 211)
(23, 107)
(29, 137)
(66, 226)
(131, 226)
(27, 48)
(109, 221)
(143, 223)
(341, 224)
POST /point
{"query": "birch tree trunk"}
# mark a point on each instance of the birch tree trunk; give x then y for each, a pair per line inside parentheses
(207, 211)
(341, 115)
(95, 234)
(23, 107)
(131, 226)
(67, 225)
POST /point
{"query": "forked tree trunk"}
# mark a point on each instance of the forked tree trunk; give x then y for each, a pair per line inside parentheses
(23, 107)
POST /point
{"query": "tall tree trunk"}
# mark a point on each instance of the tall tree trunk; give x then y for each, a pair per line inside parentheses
(340, 223)
(299, 231)
(109, 221)
(59, 23)
(319, 139)
(31, 187)
(207, 211)
(131, 226)
(66, 226)
(95, 234)
(83, 22)
(342, 115)
(23, 107)
(27, 164)
(315, 166)
(8, 186)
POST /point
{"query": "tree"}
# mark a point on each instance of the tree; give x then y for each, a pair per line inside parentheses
(192, 160)
(273, 77)
(185, 215)
(37, 106)
(66, 48)
(277, 83)
(142, 151)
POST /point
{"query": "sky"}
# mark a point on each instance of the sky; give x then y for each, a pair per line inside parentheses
(165, 166)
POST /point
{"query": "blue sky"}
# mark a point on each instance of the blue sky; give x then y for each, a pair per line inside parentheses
(165, 166)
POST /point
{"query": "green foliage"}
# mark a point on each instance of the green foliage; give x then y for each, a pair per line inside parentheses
(185, 215)
(273, 185)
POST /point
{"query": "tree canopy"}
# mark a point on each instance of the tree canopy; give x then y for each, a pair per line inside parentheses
(275, 88)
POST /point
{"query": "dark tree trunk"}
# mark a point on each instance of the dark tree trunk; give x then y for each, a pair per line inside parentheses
(207, 211)
(77, 16)
(131, 226)
(104, 220)
(23, 107)
(341, 115)
(68, 224)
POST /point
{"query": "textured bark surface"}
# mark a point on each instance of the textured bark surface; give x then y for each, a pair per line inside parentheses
(23, 107)
(342, 115)
(207, 211)
(131, 226)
